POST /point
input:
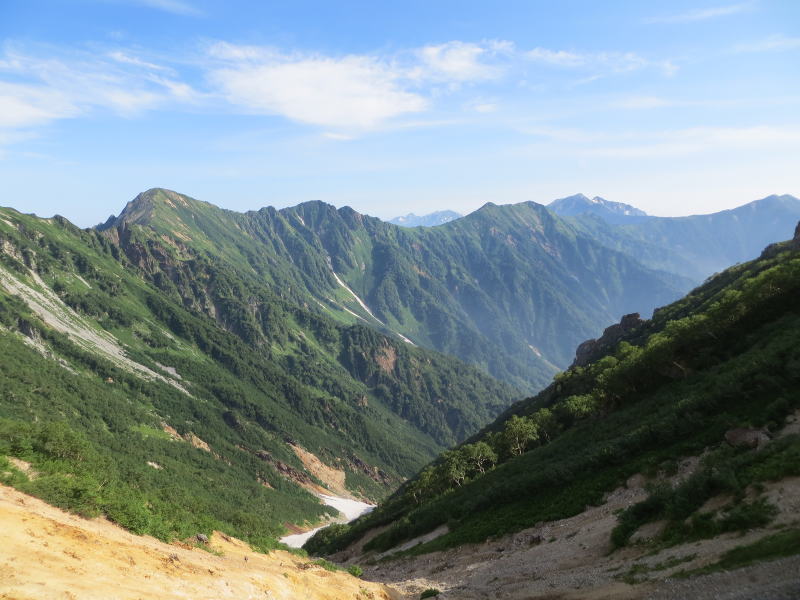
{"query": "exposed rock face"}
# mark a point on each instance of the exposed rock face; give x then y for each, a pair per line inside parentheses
(745, 437)
(284, 469)
(591, 349)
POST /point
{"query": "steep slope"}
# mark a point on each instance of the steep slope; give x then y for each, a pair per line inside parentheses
(48, 554)
(611, 212)
(698, 380)
(154, 384)
(698, 246)
(510, 289)
(430, 220)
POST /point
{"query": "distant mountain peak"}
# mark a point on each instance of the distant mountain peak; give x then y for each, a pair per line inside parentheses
(430, 220)
(147, 206)
(612, 212)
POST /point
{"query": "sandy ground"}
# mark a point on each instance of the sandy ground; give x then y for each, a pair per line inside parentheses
(47, 554)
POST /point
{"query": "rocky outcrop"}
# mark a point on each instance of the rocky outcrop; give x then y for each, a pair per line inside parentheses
(745, 437)
(592, 349)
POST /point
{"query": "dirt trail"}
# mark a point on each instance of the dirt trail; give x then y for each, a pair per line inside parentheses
(46, 553)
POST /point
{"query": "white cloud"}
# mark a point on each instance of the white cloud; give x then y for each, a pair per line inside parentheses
(27, 106)
(773, 43)
(127, 59)
(701, 14)
(353, 92)
(459, 61)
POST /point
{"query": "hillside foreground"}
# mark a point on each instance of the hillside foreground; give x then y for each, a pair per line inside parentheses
(573, 559)
(47, 553)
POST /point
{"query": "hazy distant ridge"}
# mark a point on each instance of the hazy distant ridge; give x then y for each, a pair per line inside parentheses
(440, 217)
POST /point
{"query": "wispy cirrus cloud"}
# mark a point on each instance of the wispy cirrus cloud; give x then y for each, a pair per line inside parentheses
(345, 96)
(774, 43)
(36, 89)
(701, 14)
(600, 63)
(177, 7)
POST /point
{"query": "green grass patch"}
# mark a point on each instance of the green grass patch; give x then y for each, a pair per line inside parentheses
(779, 545)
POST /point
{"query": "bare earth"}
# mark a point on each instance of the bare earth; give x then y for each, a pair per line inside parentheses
(46, 553)
(570, 559)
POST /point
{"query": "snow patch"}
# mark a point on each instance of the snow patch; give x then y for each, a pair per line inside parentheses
(366, 308)
(349, 509)
(361, 303)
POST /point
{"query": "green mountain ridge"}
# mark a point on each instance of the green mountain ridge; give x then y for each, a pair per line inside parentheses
(509, 289)
(126, 348)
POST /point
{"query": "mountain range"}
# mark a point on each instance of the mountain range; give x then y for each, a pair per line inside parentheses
(284, 352)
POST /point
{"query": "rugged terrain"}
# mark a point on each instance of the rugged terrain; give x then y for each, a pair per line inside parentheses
(510, 289)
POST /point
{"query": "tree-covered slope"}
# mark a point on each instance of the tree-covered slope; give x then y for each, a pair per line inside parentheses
(725, 356)
(158, 384)
(510, 289)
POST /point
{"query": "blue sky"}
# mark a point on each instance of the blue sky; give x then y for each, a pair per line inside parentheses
(391, 107)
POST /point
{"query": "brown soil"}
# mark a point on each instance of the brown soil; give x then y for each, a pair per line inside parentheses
(49, 554)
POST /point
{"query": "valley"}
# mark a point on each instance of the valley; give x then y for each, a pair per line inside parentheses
(401, 400)
(411, 300)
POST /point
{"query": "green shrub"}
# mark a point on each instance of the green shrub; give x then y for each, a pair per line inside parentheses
(327, 565)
